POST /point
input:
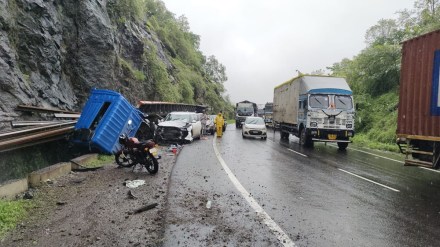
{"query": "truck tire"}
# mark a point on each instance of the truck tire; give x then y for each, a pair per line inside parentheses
(284, 135)
(342, 145)
(304, 139)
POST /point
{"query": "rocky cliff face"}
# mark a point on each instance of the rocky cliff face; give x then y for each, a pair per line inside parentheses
(52, 52)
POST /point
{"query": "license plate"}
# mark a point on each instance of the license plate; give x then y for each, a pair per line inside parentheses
(332, 136)
(254, 131)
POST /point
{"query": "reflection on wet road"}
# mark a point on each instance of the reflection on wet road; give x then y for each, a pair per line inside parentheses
(326, 197)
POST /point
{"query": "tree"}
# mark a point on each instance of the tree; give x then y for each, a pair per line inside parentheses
(214, 70)
(386, 31)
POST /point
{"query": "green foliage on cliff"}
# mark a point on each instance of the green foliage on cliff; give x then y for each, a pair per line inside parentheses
(130, 71)
(374, 73)
(192, 77)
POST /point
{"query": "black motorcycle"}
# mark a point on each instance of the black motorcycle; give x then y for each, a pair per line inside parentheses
(134, 152)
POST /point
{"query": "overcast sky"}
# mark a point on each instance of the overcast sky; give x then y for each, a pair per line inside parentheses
(263, 43)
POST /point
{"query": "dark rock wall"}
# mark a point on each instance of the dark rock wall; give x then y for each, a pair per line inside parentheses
(52, 52)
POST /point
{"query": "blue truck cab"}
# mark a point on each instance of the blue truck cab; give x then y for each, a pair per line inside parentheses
(105, 116)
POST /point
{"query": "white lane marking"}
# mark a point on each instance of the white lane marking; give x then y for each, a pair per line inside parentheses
(371, 181)
(421, 167)
(297, 152)
(276, 230)
(429, 169)
(372, 154)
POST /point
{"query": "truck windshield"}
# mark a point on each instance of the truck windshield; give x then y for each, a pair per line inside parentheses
(343, 102)
(318, 101)
(268, 109)
(245, 108)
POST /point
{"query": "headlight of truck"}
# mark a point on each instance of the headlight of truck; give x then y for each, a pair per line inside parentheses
(313, 124)
(349, 126)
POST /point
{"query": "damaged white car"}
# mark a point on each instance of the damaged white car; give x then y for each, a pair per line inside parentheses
(179, 127)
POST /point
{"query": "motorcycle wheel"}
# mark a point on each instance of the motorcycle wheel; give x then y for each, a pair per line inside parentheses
(123, 160)
(151, 164)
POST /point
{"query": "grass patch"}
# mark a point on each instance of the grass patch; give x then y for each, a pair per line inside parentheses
(100, 161)
(11, 212)
(362, 140)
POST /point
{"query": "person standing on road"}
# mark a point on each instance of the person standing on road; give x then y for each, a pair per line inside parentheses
(219, 121)
(205, 119)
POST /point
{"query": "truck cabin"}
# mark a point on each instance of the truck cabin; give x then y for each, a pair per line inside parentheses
(245, 109)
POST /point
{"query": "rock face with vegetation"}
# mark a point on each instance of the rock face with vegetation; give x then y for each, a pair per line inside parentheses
(53, 52)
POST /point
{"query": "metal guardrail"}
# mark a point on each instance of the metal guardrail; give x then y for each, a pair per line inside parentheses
(29, 136)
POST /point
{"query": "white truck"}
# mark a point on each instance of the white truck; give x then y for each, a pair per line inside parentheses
(315, 108)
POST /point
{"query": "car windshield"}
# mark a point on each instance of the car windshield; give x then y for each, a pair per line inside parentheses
(254, 121)
(343, 102)
(178, 117)
(318, 101)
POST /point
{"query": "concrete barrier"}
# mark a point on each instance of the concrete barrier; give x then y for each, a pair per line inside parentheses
(13, 188)
(79, 161)
(50, 172)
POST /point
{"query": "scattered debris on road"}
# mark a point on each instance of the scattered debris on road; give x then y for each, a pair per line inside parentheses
(145, 208)
(134, 183)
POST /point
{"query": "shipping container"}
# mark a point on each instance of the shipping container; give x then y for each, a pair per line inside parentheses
(105, 116)
(418, 123)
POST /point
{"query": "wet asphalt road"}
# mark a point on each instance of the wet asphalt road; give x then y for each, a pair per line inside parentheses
(318, 197)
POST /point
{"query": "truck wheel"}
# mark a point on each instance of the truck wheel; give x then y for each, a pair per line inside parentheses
(342, 145)
(304, 139)
(284, 135)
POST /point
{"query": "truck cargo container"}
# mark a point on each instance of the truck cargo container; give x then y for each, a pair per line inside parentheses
(418, 122)
(243, 110)
(315, 108)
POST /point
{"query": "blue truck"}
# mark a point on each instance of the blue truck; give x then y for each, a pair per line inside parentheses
(105, 116)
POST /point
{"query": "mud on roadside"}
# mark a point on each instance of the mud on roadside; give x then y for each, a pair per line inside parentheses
(95, 208)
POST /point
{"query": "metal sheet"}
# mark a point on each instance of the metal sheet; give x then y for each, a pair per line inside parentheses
(418, 86)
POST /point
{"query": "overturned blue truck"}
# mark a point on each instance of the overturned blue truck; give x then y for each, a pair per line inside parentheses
(106, 115)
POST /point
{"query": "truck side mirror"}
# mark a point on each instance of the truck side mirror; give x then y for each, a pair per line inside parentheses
(357, 106)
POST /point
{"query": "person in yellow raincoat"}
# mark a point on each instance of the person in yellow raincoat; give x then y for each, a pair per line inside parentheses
(219, 121)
